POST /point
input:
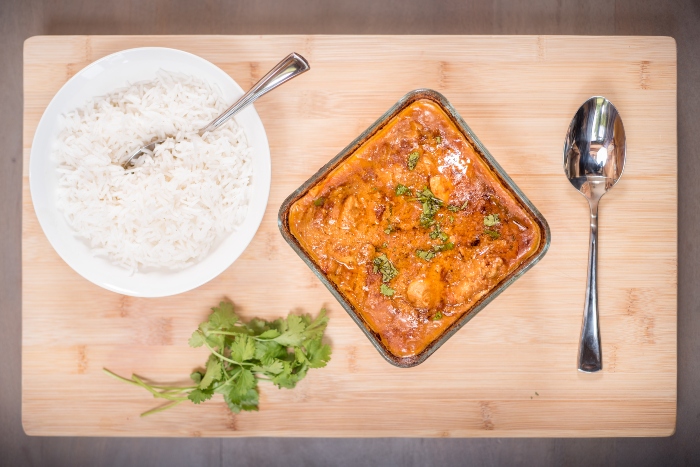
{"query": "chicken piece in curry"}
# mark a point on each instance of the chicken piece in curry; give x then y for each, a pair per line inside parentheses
(413, 228)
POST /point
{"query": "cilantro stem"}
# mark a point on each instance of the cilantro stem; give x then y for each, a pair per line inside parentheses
(225, 358)
(235, 373)
(160, 409)
(162, 388)
(155, 393)
(229, 333)
(165, 388)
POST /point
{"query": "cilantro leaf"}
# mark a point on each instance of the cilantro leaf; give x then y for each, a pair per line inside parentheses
(319, 201)
(273, 367)
(292, 331)
(386, 290)
(492, 233)
(223, 316)
(242, 348)
(437, 316)
(383, 265)
(431, 205)
(198, 396)
(197, 339)
(444, 247)
(403, 190)
(438, 233)
(248, 401)
(455, 208)
(412, 160)
(317, 353)
(317, 326)
(213, 372)
(241, 385)
(491, 220)
(426, 255)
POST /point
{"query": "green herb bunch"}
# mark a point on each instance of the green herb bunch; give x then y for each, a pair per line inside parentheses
(280, 352)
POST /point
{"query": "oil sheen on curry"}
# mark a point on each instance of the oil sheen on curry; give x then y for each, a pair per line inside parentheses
(413, 228)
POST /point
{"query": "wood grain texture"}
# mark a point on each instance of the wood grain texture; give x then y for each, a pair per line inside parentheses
(511, 371)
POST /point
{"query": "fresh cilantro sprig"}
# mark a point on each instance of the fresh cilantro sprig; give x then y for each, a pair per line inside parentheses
(281, 352)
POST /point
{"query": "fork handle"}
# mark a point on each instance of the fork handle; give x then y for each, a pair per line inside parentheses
(291, 66)
(590, 359)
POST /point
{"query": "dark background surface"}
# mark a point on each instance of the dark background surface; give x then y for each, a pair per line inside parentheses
(22, 19)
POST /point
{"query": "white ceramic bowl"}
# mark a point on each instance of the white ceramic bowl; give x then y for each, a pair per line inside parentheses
(99, 78)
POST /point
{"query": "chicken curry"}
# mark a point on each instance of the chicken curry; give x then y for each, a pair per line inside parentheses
(413, 228)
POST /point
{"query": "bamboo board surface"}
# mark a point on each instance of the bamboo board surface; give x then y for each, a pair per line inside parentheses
(511, 371)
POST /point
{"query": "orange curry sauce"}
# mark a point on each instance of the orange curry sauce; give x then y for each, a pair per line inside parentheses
(353, 216)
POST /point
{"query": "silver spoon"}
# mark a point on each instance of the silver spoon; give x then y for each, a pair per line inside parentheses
(594, 158)
(293, 65)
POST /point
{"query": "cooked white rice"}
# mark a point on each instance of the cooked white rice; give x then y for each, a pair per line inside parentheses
(170, 209)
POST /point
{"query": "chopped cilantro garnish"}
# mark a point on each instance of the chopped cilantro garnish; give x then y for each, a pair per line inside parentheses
(403, 190)
(452, 219)
(437, 316)
(455, 208)
(444, 247)
(426, 255)
(389, 229)
(413, 160)
(319, 201)
(438, 140)
(383, 265)
(386, 290)
(431, 205)
(438, 233)
(492, 233)
(491, 220)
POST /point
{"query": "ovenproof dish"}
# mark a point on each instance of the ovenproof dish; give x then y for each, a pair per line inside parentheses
(414, 227)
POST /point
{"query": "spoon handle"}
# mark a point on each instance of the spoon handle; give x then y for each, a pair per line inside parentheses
(589, 358)
(291, 66)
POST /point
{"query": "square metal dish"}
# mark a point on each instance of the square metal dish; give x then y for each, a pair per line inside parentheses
(490, 162)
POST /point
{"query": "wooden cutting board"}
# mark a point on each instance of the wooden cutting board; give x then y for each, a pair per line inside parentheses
(511, 371)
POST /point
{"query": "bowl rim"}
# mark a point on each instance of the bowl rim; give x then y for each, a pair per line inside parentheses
(502, 176)
(255, 215)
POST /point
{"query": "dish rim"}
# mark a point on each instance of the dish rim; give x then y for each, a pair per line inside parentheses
(492, 164)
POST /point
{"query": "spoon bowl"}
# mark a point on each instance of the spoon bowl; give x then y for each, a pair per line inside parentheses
(594, 159)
